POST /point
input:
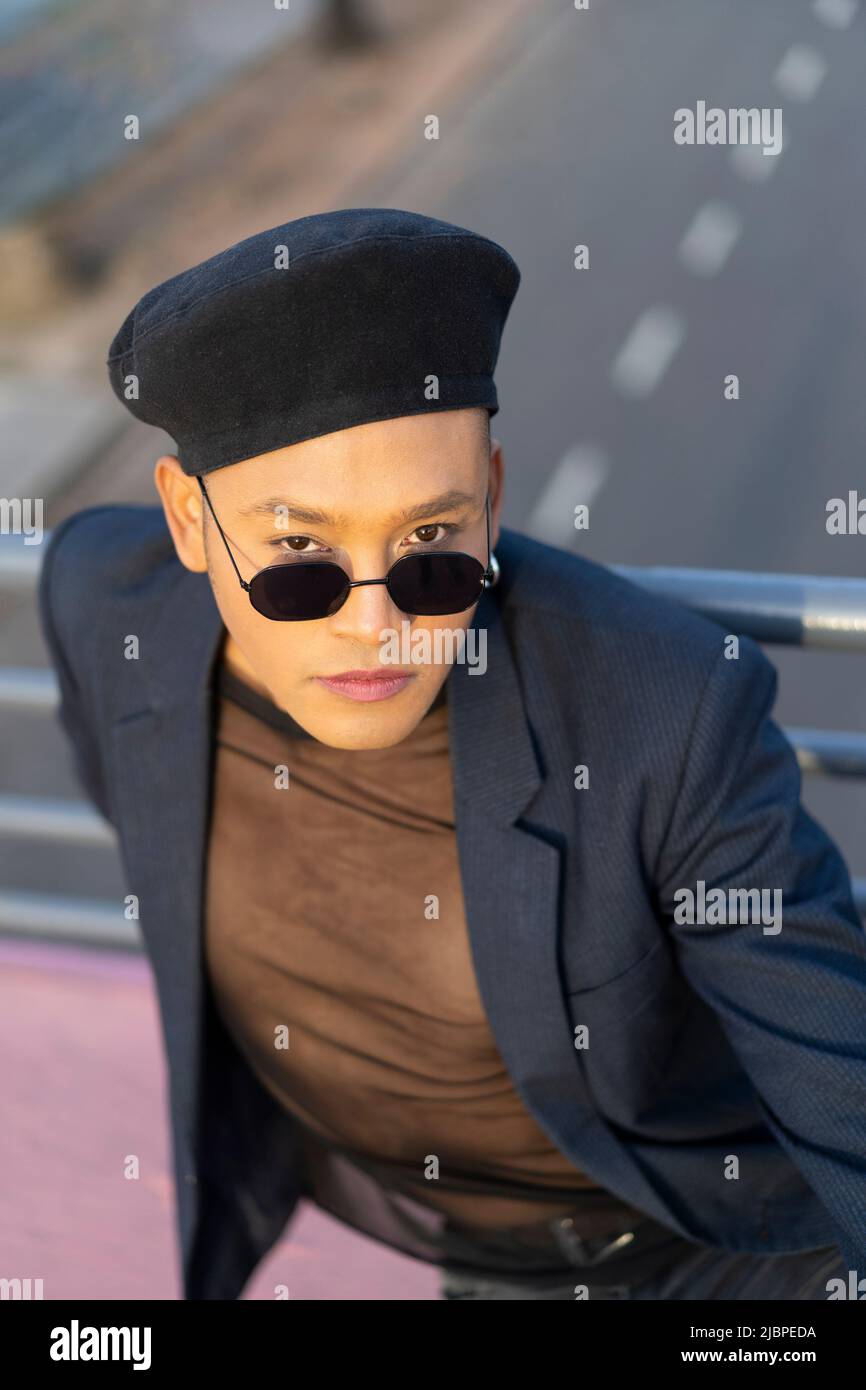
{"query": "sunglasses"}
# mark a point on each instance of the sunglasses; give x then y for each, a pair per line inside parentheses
(425, 585)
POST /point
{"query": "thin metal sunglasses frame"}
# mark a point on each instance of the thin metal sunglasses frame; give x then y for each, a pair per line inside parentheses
(490, 576)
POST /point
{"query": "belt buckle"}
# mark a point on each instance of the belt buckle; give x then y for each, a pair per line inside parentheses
(583, 1252)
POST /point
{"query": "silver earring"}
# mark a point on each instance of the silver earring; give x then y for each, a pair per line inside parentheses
(494, 580)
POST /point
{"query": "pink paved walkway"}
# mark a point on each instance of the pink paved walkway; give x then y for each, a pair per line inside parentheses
(81, 1087)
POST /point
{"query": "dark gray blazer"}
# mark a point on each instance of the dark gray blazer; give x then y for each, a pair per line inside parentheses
(704, 1041)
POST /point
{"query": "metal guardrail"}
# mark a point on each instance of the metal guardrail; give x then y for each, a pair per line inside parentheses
(799, 609)
(40, 818)
(792, 609)
(805, 610)
(828, 753)
(23, 688)
(54, 918)
(20, 562)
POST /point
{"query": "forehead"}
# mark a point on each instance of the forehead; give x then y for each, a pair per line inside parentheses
(452, 500)
(385, 471)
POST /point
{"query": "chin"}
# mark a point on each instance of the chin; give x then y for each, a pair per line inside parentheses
(359, 730)
(359, 745)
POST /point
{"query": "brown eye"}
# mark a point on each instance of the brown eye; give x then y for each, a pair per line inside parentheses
(446, 528)
(295, 545)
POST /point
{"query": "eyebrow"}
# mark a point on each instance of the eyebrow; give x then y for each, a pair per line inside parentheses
(450, 501)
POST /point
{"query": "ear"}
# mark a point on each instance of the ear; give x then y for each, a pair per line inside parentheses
(182, 503)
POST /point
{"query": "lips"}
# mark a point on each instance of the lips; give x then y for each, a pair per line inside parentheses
(376, 673)
(366, 685)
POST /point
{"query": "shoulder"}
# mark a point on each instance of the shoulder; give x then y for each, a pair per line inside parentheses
(118, 539)
(102, 550)
(96, 561)
(615, 638)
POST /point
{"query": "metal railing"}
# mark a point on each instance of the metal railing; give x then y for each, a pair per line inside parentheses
(790, 609)
(786, 609)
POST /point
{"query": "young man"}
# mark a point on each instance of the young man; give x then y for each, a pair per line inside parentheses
(447, 861)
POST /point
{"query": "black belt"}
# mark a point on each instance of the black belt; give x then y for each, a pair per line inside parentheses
(548, 1252)
(596, 1233)
(624, 1256)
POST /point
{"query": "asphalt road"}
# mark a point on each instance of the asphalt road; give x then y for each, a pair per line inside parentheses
(572, 143)
(703, 262)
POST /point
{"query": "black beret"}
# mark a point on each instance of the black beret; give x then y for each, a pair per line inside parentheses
(314, 326)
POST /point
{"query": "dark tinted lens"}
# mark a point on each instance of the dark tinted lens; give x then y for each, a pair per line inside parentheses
(433, 584)
(296, 592)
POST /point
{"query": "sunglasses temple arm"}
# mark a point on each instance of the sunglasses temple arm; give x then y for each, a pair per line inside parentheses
(488, 574)
(241, 580)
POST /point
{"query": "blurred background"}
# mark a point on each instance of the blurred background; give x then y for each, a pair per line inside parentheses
(555, 130)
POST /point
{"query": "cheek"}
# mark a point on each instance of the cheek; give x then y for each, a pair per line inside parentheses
(443, 640)
(284, 653)
(281, 655)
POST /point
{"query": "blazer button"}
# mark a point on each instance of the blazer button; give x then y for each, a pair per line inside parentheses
(190, 1178)
(764, 1233)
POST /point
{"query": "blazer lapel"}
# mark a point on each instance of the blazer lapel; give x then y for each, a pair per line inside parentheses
(511, 878)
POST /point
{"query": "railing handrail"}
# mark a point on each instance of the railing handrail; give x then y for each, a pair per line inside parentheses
(54, 818)
(807, 610)
(793, 609)
(787, 609)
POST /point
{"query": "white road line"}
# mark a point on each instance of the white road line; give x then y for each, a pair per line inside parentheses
(837, 14)
(577, 479)
(800, 73)
(710, 239)
(750, 162)
(647, 352)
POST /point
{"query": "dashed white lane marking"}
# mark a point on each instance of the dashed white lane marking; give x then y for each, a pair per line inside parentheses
(750, 162)
(800, 73)
(837, 14)
(647, 352)
(710, 239)
(577, 479)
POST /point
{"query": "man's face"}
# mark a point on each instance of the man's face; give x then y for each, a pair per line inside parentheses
(341, 497)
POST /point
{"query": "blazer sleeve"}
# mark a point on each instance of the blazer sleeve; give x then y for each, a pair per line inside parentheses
(71, 711)
(792, 1002)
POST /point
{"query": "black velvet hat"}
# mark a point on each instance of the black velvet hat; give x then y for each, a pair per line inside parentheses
(314, 326)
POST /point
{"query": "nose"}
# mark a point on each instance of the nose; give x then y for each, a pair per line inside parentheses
(367, 611)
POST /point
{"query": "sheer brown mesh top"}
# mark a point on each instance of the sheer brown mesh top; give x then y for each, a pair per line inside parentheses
(340, 961)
